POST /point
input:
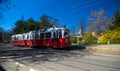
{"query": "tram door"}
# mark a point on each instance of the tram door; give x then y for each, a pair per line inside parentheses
(55, 39)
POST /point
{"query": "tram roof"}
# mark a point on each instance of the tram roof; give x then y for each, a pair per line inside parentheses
(42, 30)
(54, 29)
(46, 30)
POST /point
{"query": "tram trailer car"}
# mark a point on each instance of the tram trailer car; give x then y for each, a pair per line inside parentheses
(50, 38)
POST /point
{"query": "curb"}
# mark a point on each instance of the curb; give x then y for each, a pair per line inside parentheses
(106, 48)
(105, 54)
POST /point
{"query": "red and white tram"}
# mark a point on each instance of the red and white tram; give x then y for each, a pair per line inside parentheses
(51, 38)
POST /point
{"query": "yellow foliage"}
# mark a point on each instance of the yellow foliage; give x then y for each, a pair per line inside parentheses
(113, 36)
(89, 38)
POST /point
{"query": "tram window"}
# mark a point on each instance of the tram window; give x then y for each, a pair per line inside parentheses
(48, 35)
(27, 37)
(31, 37)
(60, 34)
(13, 38)
(55, 34)
(41, 35)
(23, 38)
(17, 38)
(36, 35)
(66, 34)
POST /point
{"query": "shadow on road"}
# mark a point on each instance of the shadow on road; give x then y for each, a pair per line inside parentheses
(77, 47)
(42, 54)
(1, 68)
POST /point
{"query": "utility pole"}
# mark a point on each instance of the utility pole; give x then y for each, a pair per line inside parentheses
(22, 24)
(2, 35)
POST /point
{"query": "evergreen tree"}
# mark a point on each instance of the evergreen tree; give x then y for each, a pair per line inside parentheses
(22, 26)
(115, 21)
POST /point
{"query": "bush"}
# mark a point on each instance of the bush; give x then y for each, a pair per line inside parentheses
(113, 36)
(73, 39)
(88, 38)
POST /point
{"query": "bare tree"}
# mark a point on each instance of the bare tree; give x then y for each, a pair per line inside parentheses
(98, 21)
(73, 30)
(4, 6)
(82, 26)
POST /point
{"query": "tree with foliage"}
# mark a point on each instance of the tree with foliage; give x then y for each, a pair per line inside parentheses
(4, 6)
(48, 21)
(98, 22)
(115, 21)
(25, 26)
(113, 35)
(22, 26)
(73, 39)
(5, 35)
(30, 24)
(19, 26)
(1, 33)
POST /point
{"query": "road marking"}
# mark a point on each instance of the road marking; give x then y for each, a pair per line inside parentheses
(3, 57)
(31, 69)
(19, 64)
(10, 60)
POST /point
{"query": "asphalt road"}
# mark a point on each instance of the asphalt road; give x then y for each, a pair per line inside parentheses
(77, 58)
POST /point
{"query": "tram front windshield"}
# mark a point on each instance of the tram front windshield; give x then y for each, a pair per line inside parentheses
(67, 33)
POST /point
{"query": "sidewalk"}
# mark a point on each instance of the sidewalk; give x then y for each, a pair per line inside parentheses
(108, 50)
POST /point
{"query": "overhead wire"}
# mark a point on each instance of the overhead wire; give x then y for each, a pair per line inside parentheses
(78, 6)
(53, 5)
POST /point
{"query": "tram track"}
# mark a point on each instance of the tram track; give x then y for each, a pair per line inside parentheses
(86, 69)
(93, 64)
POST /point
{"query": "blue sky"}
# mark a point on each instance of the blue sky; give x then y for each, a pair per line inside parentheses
(68, 12)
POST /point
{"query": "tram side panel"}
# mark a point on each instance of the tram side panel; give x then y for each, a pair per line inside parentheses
(47, 39)
(54, 39)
